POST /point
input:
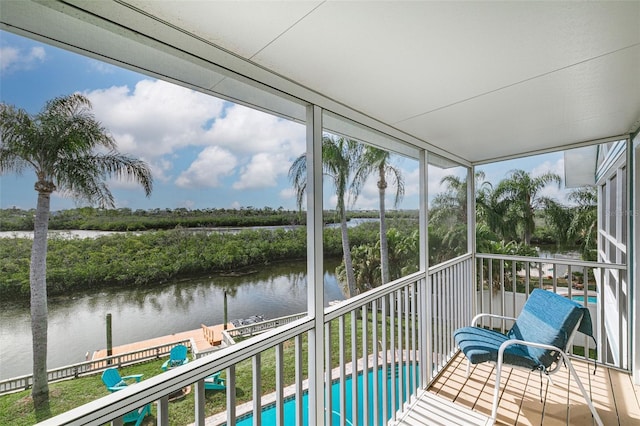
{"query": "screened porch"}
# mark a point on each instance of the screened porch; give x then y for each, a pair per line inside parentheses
(447, 86)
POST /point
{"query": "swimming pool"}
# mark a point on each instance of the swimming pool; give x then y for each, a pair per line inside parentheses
(269, 412)
(580, 298)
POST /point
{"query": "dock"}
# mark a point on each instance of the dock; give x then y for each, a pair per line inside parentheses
(205, 338)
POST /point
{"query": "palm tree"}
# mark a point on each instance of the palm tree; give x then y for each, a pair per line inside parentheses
(584, 223)
(377, 160)
(494, 220)
(558, 218)
(69, 151)
(448, 214)
(339, 161)
(450, 206)
(518, 195)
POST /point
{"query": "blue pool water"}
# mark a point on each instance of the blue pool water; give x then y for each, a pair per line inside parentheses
(591, 300)
(269, 412)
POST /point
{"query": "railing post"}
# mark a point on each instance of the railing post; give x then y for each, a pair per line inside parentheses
(163, 411)
(199, 402)
(231, 395)
(298, 382)
(315, 270)
(257, 390)
(279, 384)
(426, 336)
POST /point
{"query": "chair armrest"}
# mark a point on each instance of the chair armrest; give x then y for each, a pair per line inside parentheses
(510, 342)
(137, 377)
(115, 388)
(477, 317)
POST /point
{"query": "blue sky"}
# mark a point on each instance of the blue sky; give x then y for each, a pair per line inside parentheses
(204, 152)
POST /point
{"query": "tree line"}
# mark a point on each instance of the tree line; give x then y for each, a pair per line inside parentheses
(154, 257)
(125, 219)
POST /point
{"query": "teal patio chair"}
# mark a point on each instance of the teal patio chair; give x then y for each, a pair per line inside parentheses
(177, 357)
(538, 340)
(112, 380)
(137, 416)
(214, 382)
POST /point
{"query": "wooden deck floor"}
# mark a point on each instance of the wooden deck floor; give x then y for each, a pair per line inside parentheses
(202, 345)
(614, 395)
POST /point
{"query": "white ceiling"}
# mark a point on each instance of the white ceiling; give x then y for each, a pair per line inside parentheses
(481, 80)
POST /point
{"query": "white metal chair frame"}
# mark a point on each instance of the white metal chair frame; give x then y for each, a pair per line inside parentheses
(565, 357)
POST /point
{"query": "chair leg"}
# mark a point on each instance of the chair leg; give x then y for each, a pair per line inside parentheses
(496, 391)
(468, 368)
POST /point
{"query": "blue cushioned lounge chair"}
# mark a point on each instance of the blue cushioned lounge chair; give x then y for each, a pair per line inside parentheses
(112, 380)
(214, 382)
(177, 357)
(538, 340)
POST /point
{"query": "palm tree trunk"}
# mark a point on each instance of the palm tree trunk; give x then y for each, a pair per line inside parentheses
(346, 254)
(38, 280)
(384, 247)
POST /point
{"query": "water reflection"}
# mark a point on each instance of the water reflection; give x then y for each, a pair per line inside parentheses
(77, 323)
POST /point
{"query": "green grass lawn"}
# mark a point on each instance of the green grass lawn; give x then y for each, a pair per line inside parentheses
(17, 408)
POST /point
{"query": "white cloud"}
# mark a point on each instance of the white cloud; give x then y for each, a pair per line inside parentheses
(156, 118)
(556, 167)
(552, 190)
(101, 67)
(412, 183)
(235, 205)
(212, 164)
(435, 177)
(262, 171)
(13, 59)
(288, 193)
(247, 131)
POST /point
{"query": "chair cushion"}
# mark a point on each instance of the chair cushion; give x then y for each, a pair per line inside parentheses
(546, 318)
(549, 319)
(481, 345)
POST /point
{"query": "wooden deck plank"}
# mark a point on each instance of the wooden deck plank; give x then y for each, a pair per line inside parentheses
(613, 393)
(471, 388)
(531, 406)
(625, 398)
(197, 336)
(448, 383)
(513, 389)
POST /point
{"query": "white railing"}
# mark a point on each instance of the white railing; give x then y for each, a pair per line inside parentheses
(259, 327)
(451, 306)
(377, 353)
(375, 344)
(498, 275)
(92, 367)
(157, 389)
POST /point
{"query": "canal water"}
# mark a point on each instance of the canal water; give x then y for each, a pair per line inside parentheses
(77, 324)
